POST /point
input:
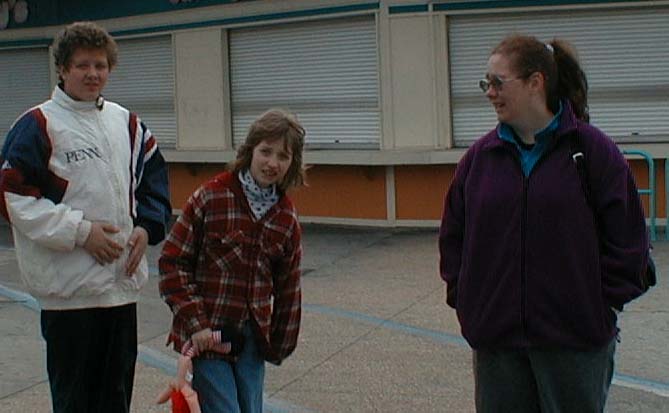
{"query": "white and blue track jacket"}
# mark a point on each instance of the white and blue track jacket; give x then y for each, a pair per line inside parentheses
(66, 163)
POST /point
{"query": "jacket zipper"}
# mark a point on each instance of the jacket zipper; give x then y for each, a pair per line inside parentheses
(523, 241)
(523, 275)
(523, 230)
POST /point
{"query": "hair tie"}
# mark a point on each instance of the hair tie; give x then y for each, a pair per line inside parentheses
(549, 47)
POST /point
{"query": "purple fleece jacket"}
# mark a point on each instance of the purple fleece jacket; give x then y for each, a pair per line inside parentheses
(520, 255)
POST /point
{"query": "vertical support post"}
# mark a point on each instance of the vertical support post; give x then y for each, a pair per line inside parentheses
(650, 191)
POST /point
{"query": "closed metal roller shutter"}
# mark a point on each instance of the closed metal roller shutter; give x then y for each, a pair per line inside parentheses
(324, 71)
(623, 52)
(143, 82)
(24, 81)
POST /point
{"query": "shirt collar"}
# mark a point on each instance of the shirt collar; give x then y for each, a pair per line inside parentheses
(506, 132)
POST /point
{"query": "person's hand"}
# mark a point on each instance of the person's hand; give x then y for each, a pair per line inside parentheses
(138, 241)
(104, 249)
(202, 341)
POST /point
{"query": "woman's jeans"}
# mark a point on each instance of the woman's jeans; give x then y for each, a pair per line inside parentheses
(543, 380)
(225, 387)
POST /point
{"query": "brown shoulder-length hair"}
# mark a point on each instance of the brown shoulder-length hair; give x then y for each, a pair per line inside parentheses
(270, 126)
(557, 61)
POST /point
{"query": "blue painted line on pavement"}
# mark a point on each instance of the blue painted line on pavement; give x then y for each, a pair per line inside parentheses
(392, 325)
(157, 359)
(164, 362)
(25, 299)
(659, 388)
(149, 356)
(652, 386)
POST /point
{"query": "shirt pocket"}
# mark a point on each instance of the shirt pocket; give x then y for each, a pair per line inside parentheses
(274, 251)
(273, 244)
(225, 251)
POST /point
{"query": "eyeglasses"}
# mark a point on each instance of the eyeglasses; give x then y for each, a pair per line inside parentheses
(494, 82)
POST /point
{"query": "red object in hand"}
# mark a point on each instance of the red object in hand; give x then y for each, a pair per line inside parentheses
(179, 391)
(179, 404)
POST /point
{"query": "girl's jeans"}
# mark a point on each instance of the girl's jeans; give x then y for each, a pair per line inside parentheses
(224, 387)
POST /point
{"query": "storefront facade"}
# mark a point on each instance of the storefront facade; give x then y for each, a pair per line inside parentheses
(386, 90)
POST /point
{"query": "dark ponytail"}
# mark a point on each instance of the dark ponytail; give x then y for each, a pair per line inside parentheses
(571, 83)
(564, 78)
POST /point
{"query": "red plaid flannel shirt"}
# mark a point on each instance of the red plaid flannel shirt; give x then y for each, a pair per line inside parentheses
(220, 267)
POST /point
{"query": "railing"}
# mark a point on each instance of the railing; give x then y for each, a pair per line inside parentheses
(650, 191)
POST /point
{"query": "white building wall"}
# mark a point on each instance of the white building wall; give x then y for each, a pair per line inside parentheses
(412, 88)
(202, 88)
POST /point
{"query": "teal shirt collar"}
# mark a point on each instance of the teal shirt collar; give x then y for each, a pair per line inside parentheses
(506, 132)
(530, 157)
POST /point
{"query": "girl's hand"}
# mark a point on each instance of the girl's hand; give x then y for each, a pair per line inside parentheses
(203, 340)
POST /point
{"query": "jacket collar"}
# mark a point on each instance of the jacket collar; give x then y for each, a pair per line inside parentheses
(506, 132)
(62, 99)
(568, 124)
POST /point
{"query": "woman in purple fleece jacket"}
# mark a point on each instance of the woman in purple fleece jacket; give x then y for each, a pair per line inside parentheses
(536, 275)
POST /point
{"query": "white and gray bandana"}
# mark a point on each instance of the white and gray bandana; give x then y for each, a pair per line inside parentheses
(260, 199)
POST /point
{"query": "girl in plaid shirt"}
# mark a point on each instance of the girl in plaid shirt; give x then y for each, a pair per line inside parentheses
(232, 263)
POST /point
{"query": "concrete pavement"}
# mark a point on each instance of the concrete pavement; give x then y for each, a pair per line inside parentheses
(376, 335)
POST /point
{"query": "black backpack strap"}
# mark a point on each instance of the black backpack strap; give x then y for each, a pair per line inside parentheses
(578, 156)
(649, 277)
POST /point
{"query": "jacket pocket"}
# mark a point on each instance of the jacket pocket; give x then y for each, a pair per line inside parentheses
(62, 274)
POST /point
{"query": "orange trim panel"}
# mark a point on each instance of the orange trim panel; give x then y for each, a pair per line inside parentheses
(343, 192)
(420, 190)
(186, 178)
(359, 192)
(333, 191)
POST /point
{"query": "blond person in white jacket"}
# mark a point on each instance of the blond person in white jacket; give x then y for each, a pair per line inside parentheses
(85, 190)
